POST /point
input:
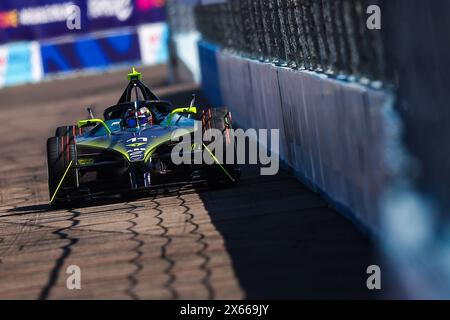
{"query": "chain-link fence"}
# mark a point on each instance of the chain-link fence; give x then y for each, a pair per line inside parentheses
(180, 16)
(329, 36)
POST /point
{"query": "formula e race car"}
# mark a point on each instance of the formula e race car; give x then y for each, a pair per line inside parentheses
(130, 150)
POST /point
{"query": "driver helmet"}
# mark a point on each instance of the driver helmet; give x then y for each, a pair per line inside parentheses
(140, 117)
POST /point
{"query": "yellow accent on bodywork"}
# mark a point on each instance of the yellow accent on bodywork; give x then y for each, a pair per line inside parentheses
(60, 182)
(137, 144)
(85, 161)
(92, 122)
(218, 162)
(164, 139)
(105, 145)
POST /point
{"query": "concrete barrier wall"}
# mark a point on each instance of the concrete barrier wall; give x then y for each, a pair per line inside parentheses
(333, 134)
(211, 88)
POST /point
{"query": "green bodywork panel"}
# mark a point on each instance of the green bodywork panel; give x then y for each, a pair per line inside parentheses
(135, 144)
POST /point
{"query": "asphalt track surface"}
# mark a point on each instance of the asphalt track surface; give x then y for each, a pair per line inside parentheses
(270, 237)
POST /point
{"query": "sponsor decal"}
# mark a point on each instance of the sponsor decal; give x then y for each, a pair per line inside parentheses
(136, 153)
(146, 5)
(120, 9)
(9, 19)
(45, 14)
(31, 16)
(152, 41)
(53, 18)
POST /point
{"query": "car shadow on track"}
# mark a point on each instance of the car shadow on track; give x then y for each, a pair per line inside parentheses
(104, 201)
(286, 243)
(23, 210)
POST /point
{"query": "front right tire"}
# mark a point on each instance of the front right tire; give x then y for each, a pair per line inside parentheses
(223, 175)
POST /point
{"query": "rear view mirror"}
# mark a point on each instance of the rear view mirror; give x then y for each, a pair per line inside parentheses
(90, 113)
(194, 97)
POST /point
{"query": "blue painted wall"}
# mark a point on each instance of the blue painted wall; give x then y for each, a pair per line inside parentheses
(210, 73)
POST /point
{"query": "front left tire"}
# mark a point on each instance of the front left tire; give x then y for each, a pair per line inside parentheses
(70, 131)
(61, 152)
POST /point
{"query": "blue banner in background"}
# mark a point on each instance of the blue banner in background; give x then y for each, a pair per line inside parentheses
(90, 52)
(43, 19)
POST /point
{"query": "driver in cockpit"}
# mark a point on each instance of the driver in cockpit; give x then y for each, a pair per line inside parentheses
(141, 117)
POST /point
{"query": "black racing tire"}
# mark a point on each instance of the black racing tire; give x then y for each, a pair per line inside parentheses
(224, 175)
(70, 131)
(61, 151)
(214, 118)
